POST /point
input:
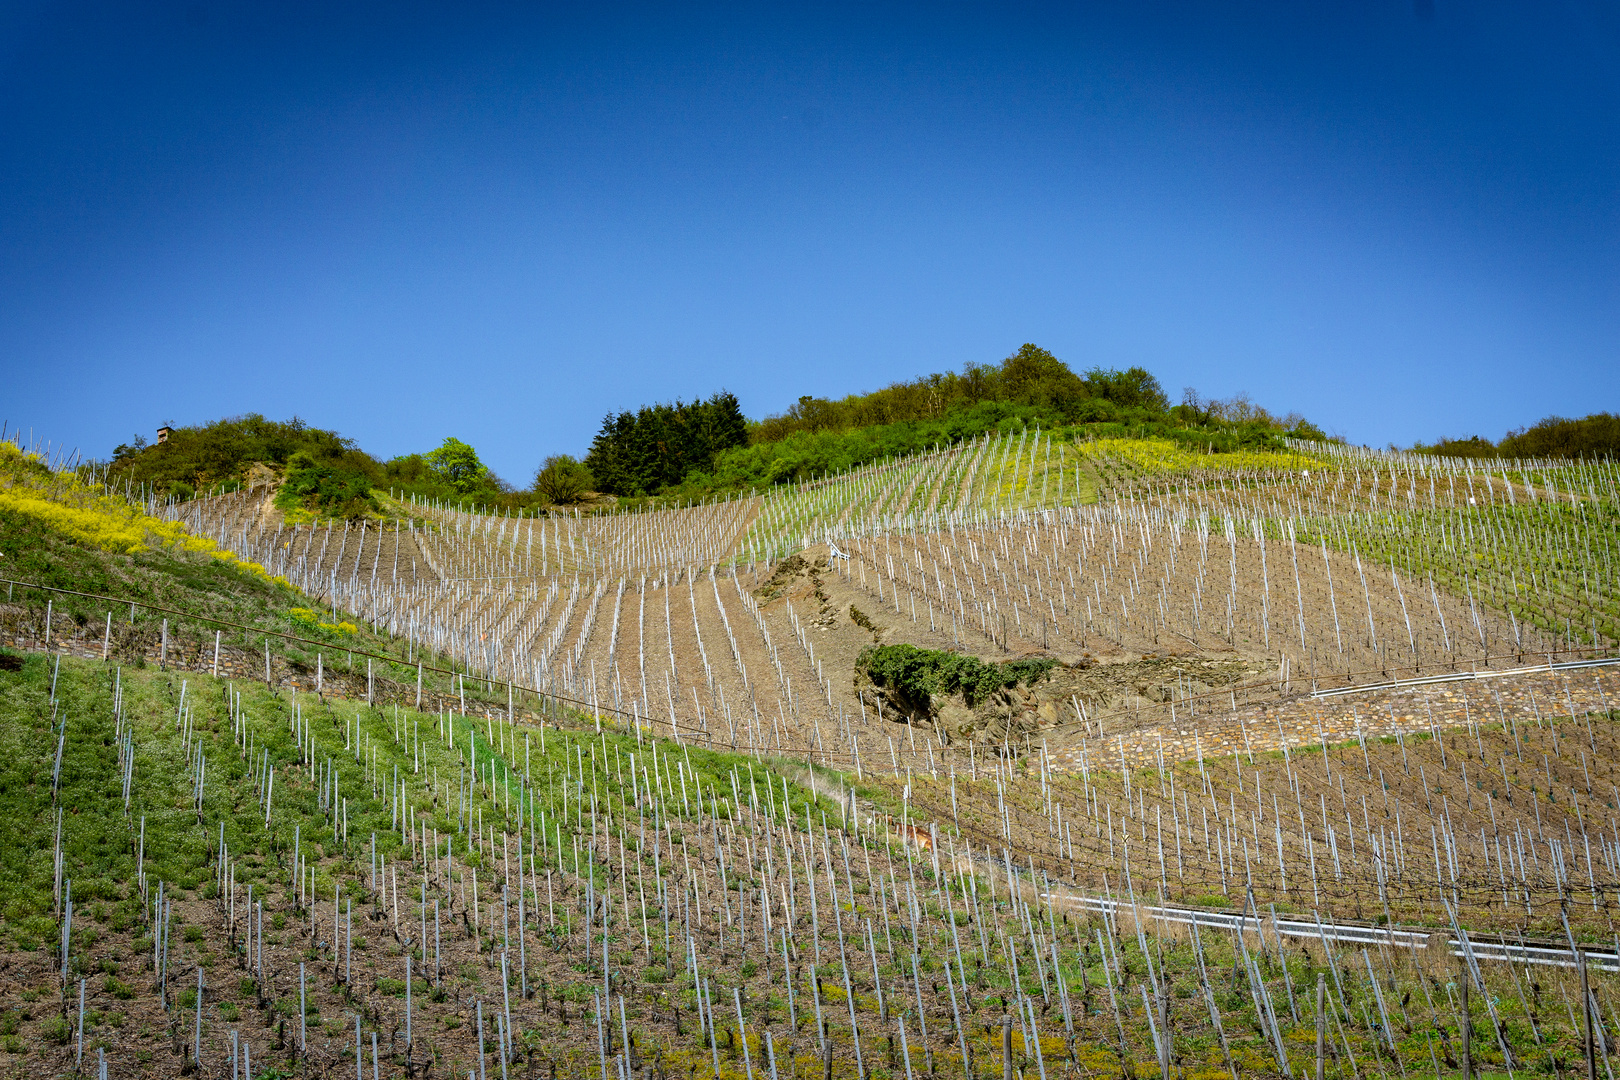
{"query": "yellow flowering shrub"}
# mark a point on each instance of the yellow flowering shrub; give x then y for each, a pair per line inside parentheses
(1165, 456)
(65, 504)
(313, 618)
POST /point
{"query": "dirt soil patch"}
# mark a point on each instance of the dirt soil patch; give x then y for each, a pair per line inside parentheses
(1013, 713)
(844, 619)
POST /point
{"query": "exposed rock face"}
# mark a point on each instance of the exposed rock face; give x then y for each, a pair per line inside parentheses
(260, 475)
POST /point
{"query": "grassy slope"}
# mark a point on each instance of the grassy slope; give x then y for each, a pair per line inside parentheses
(198, 584)
(112, 944)
(99, 839)
(43, 697)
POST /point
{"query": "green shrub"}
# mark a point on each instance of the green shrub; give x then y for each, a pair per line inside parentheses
(325, 488)
(915, 675)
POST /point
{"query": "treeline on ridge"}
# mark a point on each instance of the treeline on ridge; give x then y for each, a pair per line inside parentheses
(702, 447)
(1031, 376)
(1594, 436)
(647, 452)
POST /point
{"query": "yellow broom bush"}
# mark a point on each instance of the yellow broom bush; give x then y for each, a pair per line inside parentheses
(64, 503)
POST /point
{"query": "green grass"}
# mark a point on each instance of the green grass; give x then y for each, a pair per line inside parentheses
(203, 588)
(100, 839)
(196, 583)
(1544, 562)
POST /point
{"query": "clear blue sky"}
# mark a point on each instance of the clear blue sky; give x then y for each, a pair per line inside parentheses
(407, 221)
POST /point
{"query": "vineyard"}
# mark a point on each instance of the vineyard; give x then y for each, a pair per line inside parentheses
(1322, 570)
(626, 794)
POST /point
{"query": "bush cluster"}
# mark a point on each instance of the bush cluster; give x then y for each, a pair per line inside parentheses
(1031, 377)
(323, 474)
(217, 456)
(325, 489)
(915, 675)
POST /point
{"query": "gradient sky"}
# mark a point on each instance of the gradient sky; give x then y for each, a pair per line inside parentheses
(407, 221)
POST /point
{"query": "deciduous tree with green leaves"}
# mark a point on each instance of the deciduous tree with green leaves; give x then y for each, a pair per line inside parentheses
(457, 465)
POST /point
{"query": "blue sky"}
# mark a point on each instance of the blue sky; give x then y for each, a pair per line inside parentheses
(502, 222)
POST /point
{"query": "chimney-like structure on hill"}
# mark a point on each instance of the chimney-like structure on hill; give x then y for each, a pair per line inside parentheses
(163, 433)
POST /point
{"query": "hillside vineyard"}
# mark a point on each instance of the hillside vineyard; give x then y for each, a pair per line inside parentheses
(1353, 569)
(675, 829)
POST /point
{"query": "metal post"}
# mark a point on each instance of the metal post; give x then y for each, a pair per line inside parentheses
(1586, 1013)
(1321, 1025)
(1164, 1030)
(1467, 1027)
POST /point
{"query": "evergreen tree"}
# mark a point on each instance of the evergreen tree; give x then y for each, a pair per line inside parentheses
(657, 446)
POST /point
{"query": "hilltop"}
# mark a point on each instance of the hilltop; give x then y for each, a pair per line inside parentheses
(706, 448)
(692, 450)
(317, 474)
(684, 451)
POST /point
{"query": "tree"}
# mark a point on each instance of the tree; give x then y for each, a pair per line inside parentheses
(660, 445)
(561, 479)
(1596, 436)
(458, 465)
(1033, 376)
(1133, 388)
